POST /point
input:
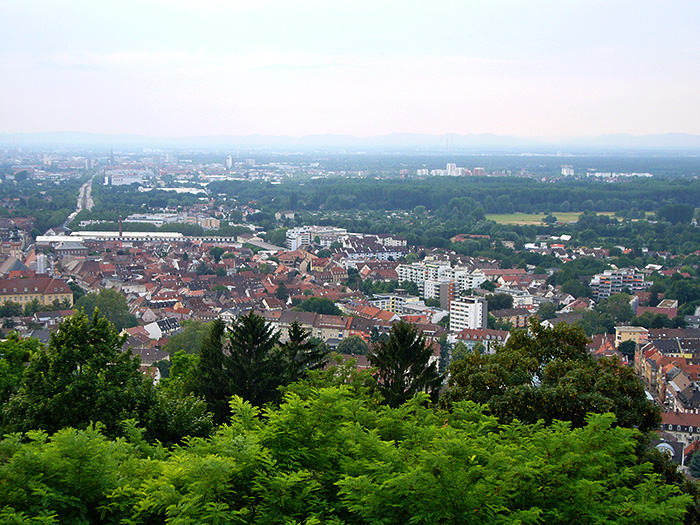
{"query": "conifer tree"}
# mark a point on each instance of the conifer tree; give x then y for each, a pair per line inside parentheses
(403, 365)
(211, 378)
(301, 354)
(254, 366)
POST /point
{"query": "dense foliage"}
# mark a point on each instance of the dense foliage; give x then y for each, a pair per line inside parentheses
(334, 457)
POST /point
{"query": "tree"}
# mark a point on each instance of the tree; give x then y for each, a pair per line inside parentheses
(281, 293)
(547, 310)
(628, 348)
(10, 309)
(487, 285)
(189, 339)
(403, 365)
(320, 305)
(15, 352)
(254, 366)
(547, 373)
(211, 379)
(82, 377)
(353, 345)
(499, 301)
(301, 354)
(111, 304)
(694, 465)
(32, 307)
(216, 252)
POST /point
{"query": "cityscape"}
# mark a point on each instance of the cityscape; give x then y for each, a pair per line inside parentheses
(349, 263)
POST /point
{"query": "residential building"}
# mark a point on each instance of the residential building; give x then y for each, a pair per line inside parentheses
(44, 289)
(611, 282)
(638, 334)
(468, 312)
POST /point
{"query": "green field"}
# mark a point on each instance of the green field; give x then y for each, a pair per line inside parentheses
(532, 218)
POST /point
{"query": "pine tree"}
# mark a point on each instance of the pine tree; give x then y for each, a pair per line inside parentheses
(403, 365)
(301, 354)
(254, 366)
(211, 379)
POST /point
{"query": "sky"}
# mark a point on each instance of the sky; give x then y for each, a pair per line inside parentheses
(177, 68)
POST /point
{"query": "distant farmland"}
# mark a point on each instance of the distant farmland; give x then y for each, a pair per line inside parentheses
(533, 218)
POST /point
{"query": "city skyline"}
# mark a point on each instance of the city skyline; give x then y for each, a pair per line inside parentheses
(176, 69)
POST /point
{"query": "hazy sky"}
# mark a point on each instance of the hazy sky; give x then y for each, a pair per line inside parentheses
(292, 67)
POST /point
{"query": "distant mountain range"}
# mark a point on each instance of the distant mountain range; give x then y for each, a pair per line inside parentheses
(400, 142)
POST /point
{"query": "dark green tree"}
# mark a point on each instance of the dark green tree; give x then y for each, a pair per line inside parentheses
(281, 293)
(628, 348)
(301, 354)
(211, 379)
(320, 305)
(353, 345)
(694, 465)
(403, 365)
(82, 377)
(547, 310)
(255, 369)
(10, 309)
(216, 252)
(499, 301)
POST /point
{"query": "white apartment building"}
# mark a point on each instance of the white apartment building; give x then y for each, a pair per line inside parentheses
(468, 312)
(305, 235)
(611, 282)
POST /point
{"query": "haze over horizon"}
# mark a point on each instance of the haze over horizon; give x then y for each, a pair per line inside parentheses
(179, 69)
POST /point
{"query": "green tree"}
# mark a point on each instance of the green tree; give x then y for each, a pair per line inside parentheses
(353, 345)
(320, 305)
(281, 293)
(547, 310)
(82, 377)
(403, 365)
(32, 307)
(111, 304)
(254, 366)
(694, 465)
(188, 339)
(10, 309)
(211, 380)
(300, 354)
(628, 348)
(216, 252)
(15, 352)
(487, 285)
(547, 373)
(499, 301)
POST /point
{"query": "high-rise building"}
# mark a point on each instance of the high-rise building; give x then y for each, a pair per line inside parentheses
(468, 312)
